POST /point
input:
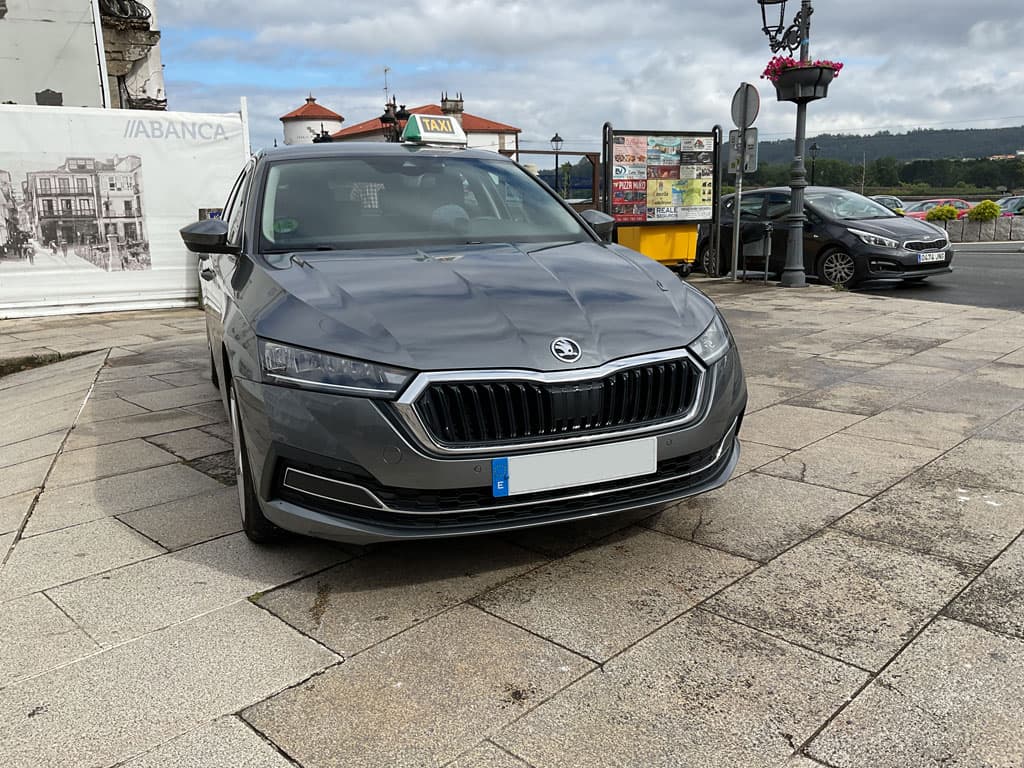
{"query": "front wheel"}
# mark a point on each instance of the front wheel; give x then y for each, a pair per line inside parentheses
(837, 267)
(257, 527)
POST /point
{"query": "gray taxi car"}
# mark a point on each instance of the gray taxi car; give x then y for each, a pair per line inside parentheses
(416, 341)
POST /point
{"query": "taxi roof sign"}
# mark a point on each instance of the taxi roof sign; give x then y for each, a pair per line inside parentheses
(434, 129)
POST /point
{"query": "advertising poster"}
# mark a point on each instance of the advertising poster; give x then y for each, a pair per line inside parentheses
(662, 177)
(91, 201)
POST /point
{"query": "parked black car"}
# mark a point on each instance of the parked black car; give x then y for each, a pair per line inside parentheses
(848, 238)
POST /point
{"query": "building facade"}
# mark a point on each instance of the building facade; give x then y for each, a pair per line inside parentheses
(481, 132)
(86, 201)
(302, 125)
(50, 54)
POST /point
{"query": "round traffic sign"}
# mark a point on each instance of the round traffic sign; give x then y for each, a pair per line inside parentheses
(746, 103)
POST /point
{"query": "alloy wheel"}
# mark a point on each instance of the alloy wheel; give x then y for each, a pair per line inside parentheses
(838, 268)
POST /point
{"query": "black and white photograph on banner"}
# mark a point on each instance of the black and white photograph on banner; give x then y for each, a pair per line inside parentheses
(73, 212)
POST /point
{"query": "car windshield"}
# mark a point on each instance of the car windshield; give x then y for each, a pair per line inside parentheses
(838, 203)
(415, 198)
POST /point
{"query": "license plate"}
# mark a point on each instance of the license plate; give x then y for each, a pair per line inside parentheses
(923, 258)
(514, 475)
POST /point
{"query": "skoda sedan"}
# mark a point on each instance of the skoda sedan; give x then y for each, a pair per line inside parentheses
(417, 341)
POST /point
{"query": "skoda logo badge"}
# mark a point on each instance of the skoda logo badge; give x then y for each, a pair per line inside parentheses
(566, 350)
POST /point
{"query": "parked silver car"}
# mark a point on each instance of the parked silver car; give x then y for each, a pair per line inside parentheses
(415, 341)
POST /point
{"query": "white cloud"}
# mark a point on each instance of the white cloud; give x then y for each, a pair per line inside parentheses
(570, 66)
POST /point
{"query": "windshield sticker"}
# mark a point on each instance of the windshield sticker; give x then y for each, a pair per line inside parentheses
(285, 226)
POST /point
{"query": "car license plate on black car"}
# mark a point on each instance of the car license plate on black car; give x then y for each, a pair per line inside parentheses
(923, 258)
(575, 467)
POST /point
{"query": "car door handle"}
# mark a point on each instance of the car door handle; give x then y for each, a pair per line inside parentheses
(207, 274)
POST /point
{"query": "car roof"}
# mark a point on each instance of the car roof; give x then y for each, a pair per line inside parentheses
(371, 149)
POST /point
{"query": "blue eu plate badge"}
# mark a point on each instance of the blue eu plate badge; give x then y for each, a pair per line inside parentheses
(499, 477)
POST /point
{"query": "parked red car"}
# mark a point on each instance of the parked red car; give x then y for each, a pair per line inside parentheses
(920, 209)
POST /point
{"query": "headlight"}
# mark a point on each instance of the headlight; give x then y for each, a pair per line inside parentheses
(284, 364)
(873, 239)
(713, 343)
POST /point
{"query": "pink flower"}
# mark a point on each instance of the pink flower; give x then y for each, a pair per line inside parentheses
(780, 64)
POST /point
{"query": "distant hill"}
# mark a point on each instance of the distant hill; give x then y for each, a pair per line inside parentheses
(924, 144)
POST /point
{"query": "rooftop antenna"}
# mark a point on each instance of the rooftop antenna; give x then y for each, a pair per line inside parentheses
(386, 70)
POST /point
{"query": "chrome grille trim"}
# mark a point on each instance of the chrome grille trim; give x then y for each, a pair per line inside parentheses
(406, 410)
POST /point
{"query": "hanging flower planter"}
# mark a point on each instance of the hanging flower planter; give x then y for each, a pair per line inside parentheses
(801, 83)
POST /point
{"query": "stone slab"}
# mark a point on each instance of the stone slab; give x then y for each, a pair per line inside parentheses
(13, 509)
(1009, 428)
(846, 462)
(102, 409)
(190, 443)
(186, 378)
(907, 377)
(35, 636)
(41, 562)
(989, 340)
(756, 516)
(787, 426)
(952, 698)
(754, 455)
(132, 698)
(980, 463)
(23, 477)
(562, 538)
(860, 399)
(583, 602)
(90, 464)
(844, 596)
(1004, 375)
(408, 713)
(225, 743)
(702, 691)
(917, 427)
(176, 397)
(763, 395)
(32, 448)
(488, 755)
(142, 425)
(361, 602)
(75, 504)
(996, 599)
(183, 522)
(952, 357)
(939, 517)
(131, 601)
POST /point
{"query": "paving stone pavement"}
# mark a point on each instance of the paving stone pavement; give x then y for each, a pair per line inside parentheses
(851, 599)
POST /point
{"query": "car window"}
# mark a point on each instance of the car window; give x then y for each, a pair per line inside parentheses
(233, 194)
(960, 205)
(842, 204)
(377, 201)
(778, 205)
(236, 214)
(752, 205)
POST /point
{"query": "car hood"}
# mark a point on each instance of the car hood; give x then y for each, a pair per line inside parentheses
(477, 306)
(899, 228)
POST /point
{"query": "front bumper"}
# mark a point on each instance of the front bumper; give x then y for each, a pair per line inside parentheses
(899, 264)
(346, 468)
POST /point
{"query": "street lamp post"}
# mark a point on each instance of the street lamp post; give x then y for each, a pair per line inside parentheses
(556, 145)
(796, 35)
(814, 149)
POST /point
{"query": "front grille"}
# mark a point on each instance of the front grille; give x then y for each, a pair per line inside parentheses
(495, 412)
(925, 245)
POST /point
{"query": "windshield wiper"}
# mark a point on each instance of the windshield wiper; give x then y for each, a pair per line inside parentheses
(548, 247)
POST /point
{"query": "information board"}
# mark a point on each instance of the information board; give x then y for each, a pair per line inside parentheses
(661, 177)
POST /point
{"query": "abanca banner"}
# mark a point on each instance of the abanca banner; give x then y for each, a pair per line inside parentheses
(91, 201)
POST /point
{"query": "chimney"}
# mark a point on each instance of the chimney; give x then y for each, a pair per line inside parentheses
(452, 107)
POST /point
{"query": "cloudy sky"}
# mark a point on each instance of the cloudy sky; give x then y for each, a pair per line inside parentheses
(569, 66)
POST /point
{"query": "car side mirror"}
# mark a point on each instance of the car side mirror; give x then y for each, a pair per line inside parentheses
(207, 236)
(600, 222)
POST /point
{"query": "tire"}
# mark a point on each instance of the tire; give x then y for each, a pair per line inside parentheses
(256, 527)
(837, 267)
(704, 261)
